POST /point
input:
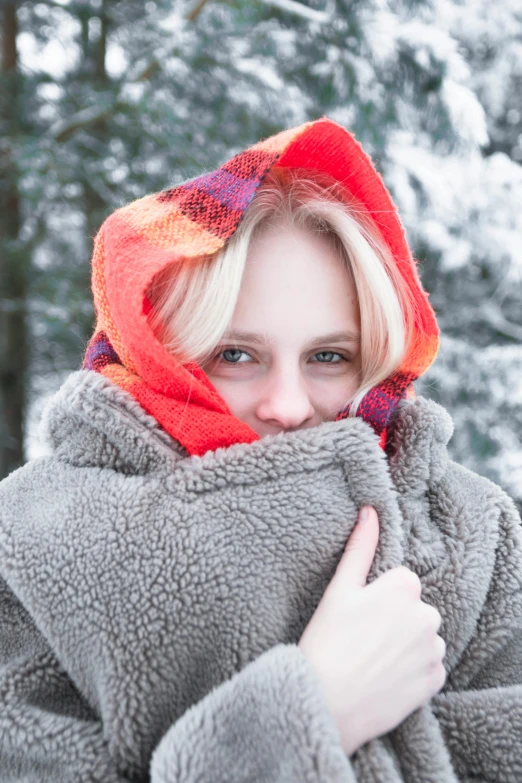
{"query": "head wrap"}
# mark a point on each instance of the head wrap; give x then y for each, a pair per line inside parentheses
(194, 220)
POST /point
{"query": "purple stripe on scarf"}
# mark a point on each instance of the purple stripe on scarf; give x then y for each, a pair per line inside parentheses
(229, 190)
(100, 353)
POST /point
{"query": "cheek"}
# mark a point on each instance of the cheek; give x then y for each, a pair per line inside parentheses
(240, 398)
(332, 397)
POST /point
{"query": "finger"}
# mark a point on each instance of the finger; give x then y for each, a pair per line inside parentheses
(359, 554)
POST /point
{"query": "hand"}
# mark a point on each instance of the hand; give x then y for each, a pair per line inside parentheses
(374, 647)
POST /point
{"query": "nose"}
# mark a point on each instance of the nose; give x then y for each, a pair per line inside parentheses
(285, 402)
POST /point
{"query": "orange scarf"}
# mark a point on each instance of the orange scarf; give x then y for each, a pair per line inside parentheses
(195, 219)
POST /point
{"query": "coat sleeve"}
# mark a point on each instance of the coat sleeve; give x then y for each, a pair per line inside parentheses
(268, 723)
(481, 712)
(47, 730)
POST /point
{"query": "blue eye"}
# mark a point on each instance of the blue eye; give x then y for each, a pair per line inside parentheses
(327, 357)
(232, 355)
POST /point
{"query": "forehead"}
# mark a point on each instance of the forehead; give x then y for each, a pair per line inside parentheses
(295, 280)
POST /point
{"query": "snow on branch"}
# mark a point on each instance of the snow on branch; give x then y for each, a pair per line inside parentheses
(61, 131)
(293, 7)
(493, 315)
(56, 4)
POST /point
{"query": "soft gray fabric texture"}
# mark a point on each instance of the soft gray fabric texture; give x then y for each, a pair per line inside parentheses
(151, 603)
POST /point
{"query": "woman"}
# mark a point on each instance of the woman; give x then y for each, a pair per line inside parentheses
(170, 604)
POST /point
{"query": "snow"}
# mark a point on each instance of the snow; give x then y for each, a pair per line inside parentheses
(299, 9)
(262, 71)
(467, 113)
(56, 57)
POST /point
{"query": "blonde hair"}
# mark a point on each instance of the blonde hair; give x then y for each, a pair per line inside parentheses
(193, 301)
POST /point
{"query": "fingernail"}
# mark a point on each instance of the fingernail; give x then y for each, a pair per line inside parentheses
(364, 514)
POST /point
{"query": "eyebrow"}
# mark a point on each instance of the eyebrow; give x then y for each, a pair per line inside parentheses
(264, 339)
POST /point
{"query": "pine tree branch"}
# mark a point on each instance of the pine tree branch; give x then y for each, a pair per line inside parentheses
(55, 4)
(61, 131)
(84, 118)
(193, 15)
(494, 317)
(293, 7)
(155, 64)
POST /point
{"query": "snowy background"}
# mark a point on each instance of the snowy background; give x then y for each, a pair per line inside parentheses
(111, 99)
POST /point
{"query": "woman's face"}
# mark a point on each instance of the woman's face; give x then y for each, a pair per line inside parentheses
(291, 356)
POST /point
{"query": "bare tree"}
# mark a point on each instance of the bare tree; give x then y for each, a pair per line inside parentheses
(94, 55)
(14, 265)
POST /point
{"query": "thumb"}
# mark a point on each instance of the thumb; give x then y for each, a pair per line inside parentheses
(358, 556)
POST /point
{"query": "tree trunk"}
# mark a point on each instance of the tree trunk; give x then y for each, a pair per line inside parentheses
(14, 266)
(95, 206)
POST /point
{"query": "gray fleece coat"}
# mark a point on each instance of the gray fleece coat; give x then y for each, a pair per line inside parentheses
(151, 603)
